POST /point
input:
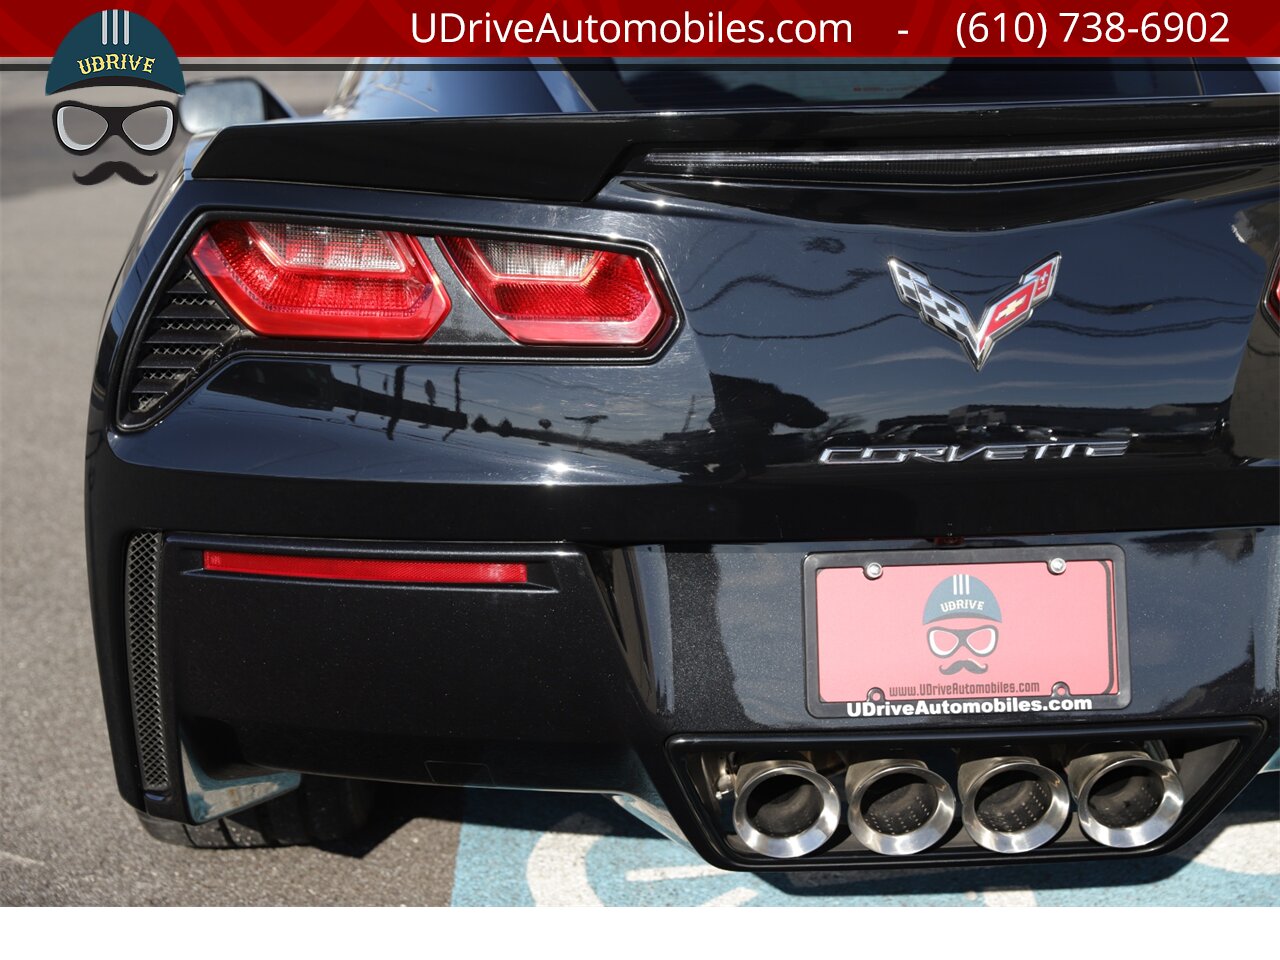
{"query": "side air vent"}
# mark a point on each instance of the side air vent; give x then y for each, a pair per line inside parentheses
(186, 332)
(142, 637)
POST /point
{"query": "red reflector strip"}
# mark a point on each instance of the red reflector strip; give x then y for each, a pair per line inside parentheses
(352, 568)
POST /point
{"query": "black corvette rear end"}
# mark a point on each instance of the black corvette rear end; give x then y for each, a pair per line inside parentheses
(505, 559)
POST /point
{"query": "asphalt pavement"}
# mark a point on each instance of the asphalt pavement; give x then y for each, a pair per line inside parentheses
(65, 835)
(67, 838)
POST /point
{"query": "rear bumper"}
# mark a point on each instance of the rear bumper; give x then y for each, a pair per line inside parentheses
(601, 673)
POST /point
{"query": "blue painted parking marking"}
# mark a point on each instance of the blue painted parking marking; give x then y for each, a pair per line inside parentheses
(525, 849)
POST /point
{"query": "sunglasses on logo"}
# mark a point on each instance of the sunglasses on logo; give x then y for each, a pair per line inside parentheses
(980, 640)
(82, 127)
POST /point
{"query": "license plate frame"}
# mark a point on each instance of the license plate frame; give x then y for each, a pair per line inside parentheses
(1077, 558)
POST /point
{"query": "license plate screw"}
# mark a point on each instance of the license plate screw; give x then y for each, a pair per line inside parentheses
(873, 571)
(1057, 565)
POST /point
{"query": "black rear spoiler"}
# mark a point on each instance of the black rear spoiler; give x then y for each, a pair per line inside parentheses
(568, 157)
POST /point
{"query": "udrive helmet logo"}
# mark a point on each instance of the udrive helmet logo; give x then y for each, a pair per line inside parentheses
(962, 597)
(114, 48)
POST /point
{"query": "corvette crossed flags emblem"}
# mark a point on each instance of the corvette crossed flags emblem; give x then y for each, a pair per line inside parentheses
(946, 314)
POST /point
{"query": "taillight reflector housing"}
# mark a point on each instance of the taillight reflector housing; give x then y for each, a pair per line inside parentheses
(555, 294)
(364, 569)
(307, 280)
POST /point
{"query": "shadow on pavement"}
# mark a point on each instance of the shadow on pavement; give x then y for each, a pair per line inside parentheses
(543, 812)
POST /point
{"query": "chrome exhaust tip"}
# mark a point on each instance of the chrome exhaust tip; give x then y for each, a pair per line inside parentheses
(1012, 804)
(898, 807)
(1125, 798)
(784, 808)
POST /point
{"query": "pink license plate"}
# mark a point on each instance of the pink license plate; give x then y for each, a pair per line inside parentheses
(954, 634)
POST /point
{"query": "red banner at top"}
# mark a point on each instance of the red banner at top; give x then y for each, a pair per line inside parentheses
(743, 29)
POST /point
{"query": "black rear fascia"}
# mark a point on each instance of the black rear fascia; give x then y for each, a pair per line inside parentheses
(554, 697)
(142, 487)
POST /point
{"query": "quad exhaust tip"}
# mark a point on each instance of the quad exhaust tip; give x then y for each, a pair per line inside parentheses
(784, 808)
(1125, 798)
(1012, 804)
(898, 807)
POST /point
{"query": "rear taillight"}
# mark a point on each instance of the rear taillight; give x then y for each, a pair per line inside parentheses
(351, 283)
(342, 283)
(552, 294)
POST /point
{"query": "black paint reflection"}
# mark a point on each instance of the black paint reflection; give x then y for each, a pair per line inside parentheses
(737, 428)
(741, 435)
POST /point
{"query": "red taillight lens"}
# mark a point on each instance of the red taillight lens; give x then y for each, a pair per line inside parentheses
(304, 280)
(542, 293)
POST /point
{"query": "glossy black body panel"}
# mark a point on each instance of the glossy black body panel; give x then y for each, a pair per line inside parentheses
(792, 341)
(673, 498)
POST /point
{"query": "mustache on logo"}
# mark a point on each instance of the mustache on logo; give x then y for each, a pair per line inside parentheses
(957, 665)
(121, 168)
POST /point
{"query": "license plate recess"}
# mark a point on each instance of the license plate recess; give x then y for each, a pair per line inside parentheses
(953, 633)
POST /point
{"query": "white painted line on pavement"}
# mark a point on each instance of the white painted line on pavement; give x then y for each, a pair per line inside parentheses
(685, 872)
(24, 861)
(734, 898)
(1016, 897)
(557, 867)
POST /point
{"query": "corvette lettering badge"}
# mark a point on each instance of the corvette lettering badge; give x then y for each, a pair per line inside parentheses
(944, 313)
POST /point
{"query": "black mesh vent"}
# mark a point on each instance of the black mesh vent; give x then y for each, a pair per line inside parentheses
(186, 332)
(142, 635)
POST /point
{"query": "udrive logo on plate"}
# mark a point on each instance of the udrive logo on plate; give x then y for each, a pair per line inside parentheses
(112, 49)
(962, 647)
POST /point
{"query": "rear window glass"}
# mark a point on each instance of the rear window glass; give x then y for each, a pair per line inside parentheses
(681, 84)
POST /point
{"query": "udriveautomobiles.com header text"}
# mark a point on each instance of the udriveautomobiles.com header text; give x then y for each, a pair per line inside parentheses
(712, 28)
